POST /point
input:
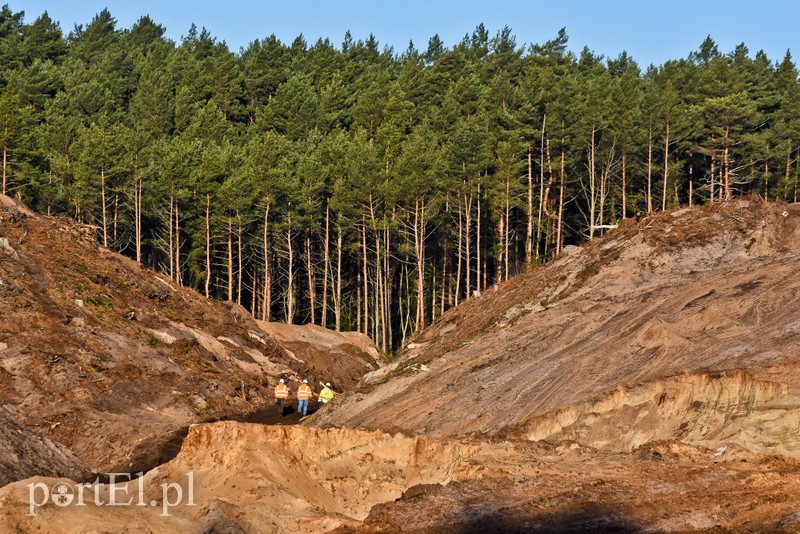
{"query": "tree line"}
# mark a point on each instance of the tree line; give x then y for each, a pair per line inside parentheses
(360, 188)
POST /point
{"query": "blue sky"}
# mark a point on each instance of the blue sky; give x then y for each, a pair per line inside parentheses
(650, 31)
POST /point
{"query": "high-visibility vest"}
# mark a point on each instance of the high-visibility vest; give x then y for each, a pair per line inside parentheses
(304, 391)
(281, 391)
(326, 394)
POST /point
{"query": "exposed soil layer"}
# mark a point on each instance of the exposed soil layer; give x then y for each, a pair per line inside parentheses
(255, 478)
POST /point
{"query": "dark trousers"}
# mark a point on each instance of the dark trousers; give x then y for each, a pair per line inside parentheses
(280, 405)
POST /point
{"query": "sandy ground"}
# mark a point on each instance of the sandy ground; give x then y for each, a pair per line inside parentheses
(646, 382)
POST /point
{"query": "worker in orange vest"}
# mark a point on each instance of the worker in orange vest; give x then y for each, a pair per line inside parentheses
(303, 394)
(281, 394)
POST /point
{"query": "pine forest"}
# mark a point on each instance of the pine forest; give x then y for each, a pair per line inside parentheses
(359, 187)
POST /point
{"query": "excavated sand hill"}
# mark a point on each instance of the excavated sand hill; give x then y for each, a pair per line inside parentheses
(250, 478)
(345, 356)
(683, 326)
(114, 361)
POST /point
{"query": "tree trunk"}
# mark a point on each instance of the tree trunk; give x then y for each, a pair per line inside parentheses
(137, 201)
(377, 307)
(592, 186)
(624, 186)
(559, 238)
(253, 293)
(507, 225)
(103, 200)
(239, 273)
(208, 246)
(326, 255)
(290, 284)
(666, 169)
(713, 174)
(443, 296)
(116, 218)
(365, 275)
(691, 184)
(478, 241)
(433, 292)
(788, 167)
(337, 309)
(177, 246)
(529, 233)
(230, 259)
(552, 218)
(5, 162)
(796, 172)
(601, 198)
(358, 301)
(501, 232)
(312, 283)
(726, 163)
(171, 244)
(387, 289)
(419, 250)
(541, 190)
(266, 313)
(460, 251)
(468, 243)
(650, 171)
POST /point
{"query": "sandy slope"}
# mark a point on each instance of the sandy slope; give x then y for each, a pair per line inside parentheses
(114, 360)
(683, 326)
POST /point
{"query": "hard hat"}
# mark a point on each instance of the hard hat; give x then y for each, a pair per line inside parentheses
(305, 381)
(281, 380)
(327, 384)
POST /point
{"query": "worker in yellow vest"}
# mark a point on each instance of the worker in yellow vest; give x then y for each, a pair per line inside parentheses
(303, 394)
(327, 394)
(281, 394)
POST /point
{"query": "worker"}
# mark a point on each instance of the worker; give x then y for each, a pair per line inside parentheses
(281, 394)
(303, 394)
(327, 394)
